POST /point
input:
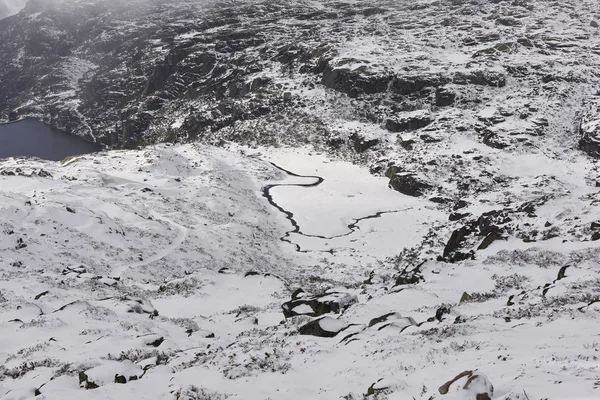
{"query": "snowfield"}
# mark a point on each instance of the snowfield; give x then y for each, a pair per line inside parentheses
(161, 274)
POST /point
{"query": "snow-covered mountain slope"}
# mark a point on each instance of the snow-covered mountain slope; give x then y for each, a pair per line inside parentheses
(160, 273)
(425, 171)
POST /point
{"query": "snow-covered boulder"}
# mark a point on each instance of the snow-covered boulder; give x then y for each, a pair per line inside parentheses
(314, 306)
(323, 327)
(110, 372)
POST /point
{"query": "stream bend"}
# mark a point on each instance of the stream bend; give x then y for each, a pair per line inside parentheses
(352, 227)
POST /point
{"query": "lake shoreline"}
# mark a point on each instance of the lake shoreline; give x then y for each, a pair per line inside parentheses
(30, 137)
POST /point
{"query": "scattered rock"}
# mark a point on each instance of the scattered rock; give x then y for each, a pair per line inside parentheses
(110, 372)
(20, 244)
(84, 381)
(76, 269)
(152, 340)
(465, 297)
(40, 295)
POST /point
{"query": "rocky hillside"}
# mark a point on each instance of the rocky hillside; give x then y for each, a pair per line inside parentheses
(338, 73)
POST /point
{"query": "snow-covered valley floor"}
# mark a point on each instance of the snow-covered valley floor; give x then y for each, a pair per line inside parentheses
(161, 274)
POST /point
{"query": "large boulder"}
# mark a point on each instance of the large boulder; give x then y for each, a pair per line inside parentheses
(409, 184)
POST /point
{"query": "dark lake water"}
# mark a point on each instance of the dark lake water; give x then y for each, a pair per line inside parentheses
(29, 137)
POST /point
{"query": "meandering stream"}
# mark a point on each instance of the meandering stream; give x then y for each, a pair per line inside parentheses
(352, 227)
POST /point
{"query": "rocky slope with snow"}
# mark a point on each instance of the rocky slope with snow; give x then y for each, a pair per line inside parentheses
(135, 72)
(400, 192)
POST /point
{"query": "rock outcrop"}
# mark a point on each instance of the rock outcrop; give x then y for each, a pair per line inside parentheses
(589, 131)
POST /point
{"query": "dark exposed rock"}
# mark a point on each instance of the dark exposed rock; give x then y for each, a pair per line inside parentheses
(460, 204)
(492, 140)
(409, 122)
(489, 239)
(157, 342)
(361, 143)
(354, 83)
(298, 293)
(407, 279)
(457, 216)
(440, 200)
(444, 97)
(488, 222)
(392, 170)
(406, 85)
(480, 77)
(455, 241)
(20, 244)
(441, 311)
(37, 297)
(409, 184)
(383, 318)
(589, 131)
(85, 382)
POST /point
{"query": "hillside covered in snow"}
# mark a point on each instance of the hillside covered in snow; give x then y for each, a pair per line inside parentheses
(303, 200)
